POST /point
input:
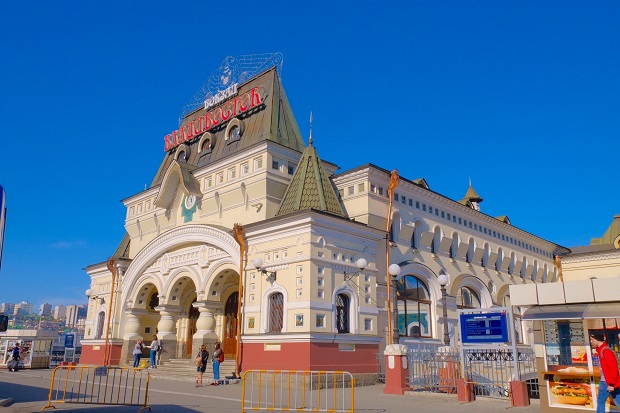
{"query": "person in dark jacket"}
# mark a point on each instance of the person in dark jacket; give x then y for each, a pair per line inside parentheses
(610, 381)
(15, 357)
(201, 364)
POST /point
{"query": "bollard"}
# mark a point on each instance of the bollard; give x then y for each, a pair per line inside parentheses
(519, 396)
(465, 391)
(396, 369)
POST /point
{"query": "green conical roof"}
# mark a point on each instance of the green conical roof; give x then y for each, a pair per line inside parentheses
(310, 187)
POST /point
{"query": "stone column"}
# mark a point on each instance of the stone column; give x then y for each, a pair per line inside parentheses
(167, 331)
(132, 333)
(205, 325)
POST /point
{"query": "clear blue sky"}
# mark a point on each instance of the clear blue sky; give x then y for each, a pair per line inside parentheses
(523, 97)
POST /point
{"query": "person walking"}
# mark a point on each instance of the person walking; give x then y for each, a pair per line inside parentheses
(15, 357)
(201, 364)
(218, 358)
(137, 353)
(154, 350)
(610, 381)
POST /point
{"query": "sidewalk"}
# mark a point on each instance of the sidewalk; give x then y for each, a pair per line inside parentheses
(30, 389)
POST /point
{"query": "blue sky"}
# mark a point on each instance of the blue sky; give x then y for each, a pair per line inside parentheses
(521, 97)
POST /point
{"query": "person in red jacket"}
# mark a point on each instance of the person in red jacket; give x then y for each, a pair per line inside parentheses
(610, 381)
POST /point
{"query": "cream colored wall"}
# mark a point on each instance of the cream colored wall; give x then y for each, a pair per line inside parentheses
(245, 198)
(604, 265)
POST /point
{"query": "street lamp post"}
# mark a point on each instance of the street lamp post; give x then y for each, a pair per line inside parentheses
(443, 279)
(394, 271)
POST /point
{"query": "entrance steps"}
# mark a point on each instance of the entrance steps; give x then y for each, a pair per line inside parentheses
(185, 370)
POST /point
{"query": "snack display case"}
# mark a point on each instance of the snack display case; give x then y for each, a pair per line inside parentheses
(572, 371)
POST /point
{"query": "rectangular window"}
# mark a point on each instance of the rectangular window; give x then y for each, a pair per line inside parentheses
(320, 320)
(396, 197)
(436, 212)
(449, 217)
(360, 187)
(469, 224)
(476, 227)
(291, 168)
(410, 202)
(300, 280)
(417, 204)
(232, 172)
(380, 191)
(460, 221)
(275, 165)
(453, 218)
(245, 168)
(404, 200)
(321, 294)
(424, 207)
(443, 214)
(351, 190)
(320, 281)
(258, 163)
(430, 210)
(320, 269)
(465, 222)
(209, 182)
(368, 324)
(373, 188)
(220, 177)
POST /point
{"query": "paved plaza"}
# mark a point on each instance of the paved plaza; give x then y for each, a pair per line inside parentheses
(29, 390)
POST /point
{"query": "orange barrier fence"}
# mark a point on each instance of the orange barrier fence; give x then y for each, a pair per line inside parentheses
(301, 391)
(101, 385)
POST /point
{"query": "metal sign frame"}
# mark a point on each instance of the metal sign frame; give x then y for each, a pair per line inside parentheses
(512, 343)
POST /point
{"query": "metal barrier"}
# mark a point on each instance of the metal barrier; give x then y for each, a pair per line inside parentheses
(99, 385)
(433, 368)
(492, 369)
(293, 390)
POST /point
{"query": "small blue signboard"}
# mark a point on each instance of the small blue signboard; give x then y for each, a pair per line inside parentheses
(101, 371)
(69, 340)
(484, 328)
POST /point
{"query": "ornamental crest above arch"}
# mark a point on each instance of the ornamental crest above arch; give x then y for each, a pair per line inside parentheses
(200, 255)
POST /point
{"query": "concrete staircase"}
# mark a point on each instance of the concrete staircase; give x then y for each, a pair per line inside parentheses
(185, 369)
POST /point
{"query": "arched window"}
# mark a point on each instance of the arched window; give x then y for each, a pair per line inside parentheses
(342, 313)
(467, 298)
(154, 301)
(414, 307)
(471, 250)
(276, 312)
(100, 325)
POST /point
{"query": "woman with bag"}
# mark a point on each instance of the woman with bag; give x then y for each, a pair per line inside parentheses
(137, 353)
(218, 358)
(201, 364)
(154, 349)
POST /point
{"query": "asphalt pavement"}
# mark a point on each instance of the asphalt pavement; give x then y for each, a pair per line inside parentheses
(28, 391)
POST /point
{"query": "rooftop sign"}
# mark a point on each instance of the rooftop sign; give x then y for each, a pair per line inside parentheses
(220, 115)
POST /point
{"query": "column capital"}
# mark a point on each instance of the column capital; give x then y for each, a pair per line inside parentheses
(169, 309)
(208, 305)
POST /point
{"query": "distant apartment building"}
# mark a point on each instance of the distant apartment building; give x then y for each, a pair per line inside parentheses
(7, 308)
(45, 310)
(75, 313)
(60, 312)
(23, 308)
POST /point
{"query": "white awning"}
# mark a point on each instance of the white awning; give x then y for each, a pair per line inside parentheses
(573, 311)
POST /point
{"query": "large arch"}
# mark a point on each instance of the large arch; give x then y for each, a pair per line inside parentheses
(154, 255)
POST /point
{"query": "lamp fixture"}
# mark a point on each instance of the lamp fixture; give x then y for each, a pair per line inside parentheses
(258, 264)
(361, 264)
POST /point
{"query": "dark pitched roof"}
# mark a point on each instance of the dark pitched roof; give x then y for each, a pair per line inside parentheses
(272, 120)
(310, 188)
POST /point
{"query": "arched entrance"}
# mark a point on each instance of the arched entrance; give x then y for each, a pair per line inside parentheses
(193, 314)
(230, 326)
